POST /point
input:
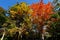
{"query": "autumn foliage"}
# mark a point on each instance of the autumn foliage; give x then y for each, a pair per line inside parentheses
(42, 10)
(29, 22)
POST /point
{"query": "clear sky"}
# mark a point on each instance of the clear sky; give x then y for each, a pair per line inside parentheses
(7, 3)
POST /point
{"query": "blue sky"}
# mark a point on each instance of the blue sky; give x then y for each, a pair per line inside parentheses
(7, 3)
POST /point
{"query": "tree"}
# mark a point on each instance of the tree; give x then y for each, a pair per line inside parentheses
(2, 16)
(19, 20)
(41, 14)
